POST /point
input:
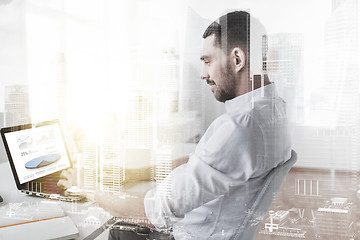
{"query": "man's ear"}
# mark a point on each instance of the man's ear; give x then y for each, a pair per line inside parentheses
(238, 57)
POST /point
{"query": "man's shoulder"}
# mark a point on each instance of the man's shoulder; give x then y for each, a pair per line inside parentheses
(232, 121)
(241, 118)
(261, 113)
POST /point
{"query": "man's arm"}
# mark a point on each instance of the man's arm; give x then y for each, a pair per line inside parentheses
(127, 208)
(124, 207)
(68, 178)
(132, 207)
(144, 173)
(222, 164)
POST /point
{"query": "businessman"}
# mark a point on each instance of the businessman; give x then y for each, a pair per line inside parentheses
(212, 190)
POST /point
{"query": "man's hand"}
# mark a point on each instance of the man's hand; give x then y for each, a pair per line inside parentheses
(67, 182)
(67, 179)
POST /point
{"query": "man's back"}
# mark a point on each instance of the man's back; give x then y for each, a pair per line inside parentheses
(211, 194)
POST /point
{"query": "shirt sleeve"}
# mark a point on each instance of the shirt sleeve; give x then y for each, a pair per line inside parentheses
(221, 161)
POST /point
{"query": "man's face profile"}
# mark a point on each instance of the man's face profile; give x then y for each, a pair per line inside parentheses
(217, 70)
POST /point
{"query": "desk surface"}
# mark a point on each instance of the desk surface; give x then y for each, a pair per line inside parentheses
(86, 216)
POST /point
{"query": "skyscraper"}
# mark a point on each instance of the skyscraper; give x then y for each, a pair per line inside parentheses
(17, 107)
(111, 156)
(283, 62)
(90, 162)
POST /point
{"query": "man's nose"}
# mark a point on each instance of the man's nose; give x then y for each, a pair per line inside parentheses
(204, 75)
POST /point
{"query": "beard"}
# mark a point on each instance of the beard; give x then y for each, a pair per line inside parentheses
(227, 89)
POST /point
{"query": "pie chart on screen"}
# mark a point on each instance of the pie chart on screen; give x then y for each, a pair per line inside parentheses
(42, 161)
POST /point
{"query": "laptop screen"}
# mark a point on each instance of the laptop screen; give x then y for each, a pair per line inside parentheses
(35, 151)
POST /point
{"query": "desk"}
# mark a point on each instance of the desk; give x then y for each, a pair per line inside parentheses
(86, 216)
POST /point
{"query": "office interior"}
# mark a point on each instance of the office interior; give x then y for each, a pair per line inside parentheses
(123, 77)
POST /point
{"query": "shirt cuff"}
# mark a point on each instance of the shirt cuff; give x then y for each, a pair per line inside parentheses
(158, 212)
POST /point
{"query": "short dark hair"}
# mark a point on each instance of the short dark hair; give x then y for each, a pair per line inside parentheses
(231, 30)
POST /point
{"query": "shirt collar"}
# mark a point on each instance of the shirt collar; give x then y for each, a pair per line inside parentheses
(247, 100)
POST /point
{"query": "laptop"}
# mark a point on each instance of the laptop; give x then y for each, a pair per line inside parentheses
(37, 154)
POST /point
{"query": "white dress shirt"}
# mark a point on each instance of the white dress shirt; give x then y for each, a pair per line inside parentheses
(211, 193)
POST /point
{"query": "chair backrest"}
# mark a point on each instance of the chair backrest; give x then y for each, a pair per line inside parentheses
(263, 199)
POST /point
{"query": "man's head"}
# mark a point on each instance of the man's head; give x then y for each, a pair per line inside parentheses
(226, 55)
(230, 31)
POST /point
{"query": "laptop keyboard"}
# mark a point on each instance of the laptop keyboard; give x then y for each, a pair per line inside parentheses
(46, 187)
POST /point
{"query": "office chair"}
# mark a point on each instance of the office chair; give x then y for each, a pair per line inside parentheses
(263, 199)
